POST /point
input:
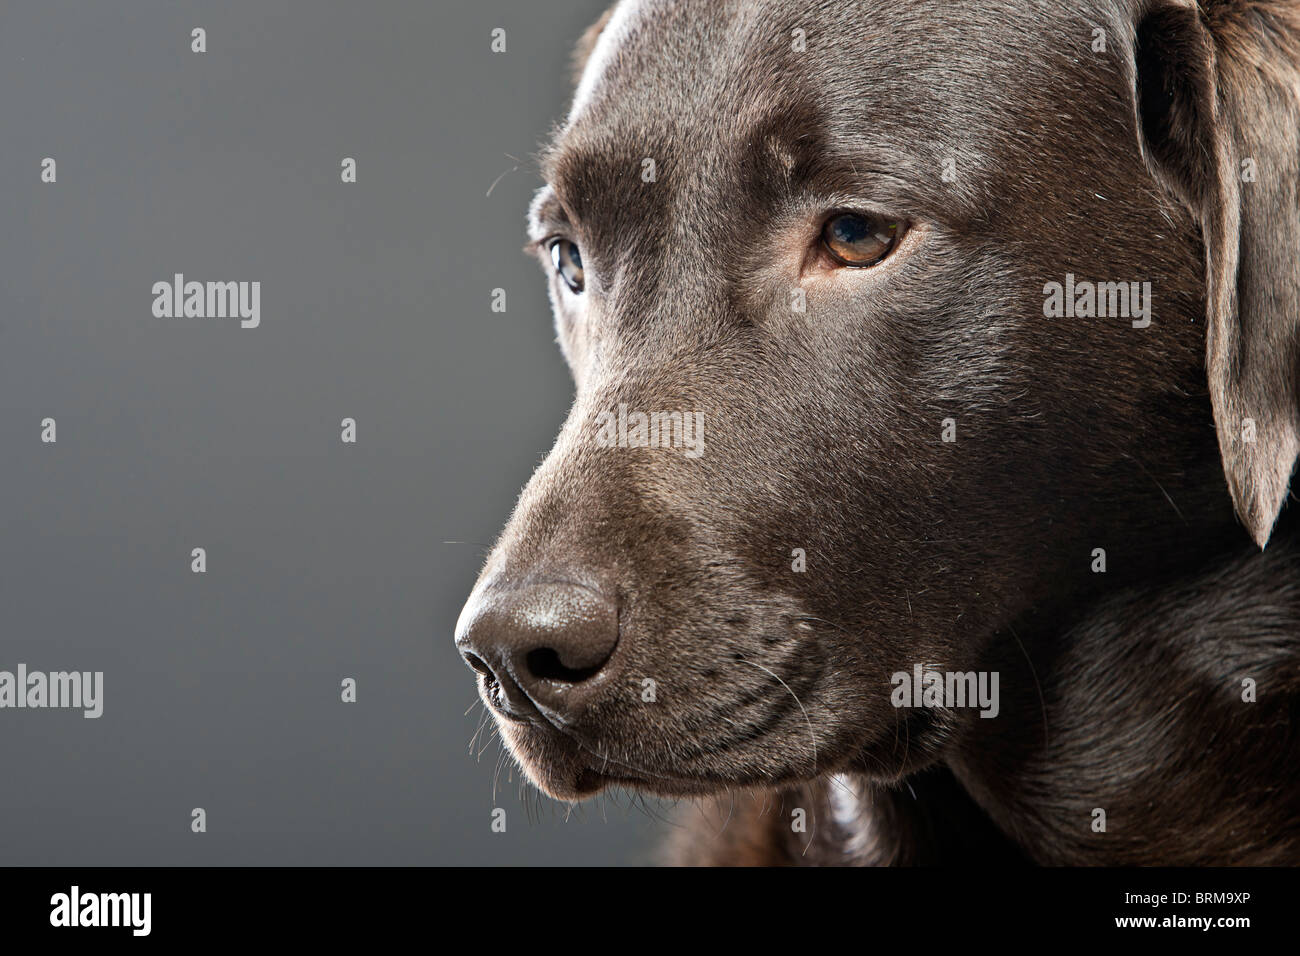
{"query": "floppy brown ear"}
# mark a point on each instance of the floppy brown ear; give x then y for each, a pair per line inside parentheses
(1218, 103)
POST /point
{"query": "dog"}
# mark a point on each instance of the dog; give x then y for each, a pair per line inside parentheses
(987, 320)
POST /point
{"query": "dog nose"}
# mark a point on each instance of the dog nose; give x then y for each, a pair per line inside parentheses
(538, 646)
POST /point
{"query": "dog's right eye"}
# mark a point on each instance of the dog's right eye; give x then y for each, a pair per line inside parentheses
(860, 239)
(568, 263)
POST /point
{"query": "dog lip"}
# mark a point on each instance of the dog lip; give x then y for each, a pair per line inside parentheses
(583, 782)
(588, 782)
(493, 695)
(536, 716)
(570, 773)
(578, 771)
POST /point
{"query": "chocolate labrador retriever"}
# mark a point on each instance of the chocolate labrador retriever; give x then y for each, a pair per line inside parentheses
(936, 372)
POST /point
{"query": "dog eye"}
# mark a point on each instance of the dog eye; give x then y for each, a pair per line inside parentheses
(568, 263)
(859, 239)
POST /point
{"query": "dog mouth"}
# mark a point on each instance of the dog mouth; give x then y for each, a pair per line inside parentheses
(751, 720)
(588, 781)
(566, 769)
(566, 766)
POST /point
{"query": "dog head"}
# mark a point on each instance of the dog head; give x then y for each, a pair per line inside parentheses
(840, 407)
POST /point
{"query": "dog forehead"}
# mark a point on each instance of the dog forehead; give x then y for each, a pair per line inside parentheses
(710, 66)
(914, 82)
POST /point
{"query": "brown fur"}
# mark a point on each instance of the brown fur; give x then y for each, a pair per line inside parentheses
(1121, 691)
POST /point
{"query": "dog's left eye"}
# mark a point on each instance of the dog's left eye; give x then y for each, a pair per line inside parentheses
(568, 263)
(859, 239)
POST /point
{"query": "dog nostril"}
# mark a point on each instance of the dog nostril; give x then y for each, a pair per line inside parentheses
(476, 662)
(539, 645)
(544, 663)
(492, 686)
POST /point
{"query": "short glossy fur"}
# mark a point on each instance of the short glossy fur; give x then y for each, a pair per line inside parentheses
(1120, 690)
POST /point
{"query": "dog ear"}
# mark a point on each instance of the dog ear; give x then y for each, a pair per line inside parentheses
(1217, 94)
(587, 43)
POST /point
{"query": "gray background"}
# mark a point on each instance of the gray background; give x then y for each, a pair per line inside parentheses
(325, 560)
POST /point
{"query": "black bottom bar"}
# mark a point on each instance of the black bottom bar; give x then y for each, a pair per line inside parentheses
(337, 905)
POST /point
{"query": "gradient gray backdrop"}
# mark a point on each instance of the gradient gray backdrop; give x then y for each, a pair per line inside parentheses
(325, 560)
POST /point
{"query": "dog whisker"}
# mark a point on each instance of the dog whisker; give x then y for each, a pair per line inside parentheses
(811, 732)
